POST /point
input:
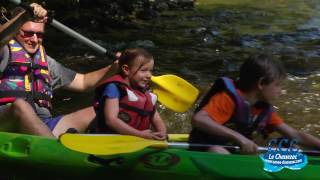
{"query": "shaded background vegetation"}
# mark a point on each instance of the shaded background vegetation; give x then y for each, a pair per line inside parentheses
(199, 44)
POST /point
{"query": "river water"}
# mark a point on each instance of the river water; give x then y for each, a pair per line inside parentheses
(210, 41)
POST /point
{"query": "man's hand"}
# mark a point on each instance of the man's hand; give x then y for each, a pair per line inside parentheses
(118, 55)
(40, 13)
(114, 69)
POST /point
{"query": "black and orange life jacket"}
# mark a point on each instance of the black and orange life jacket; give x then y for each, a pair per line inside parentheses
(242, 120)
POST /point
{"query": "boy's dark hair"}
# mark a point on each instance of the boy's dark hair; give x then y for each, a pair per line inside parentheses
(260, 66)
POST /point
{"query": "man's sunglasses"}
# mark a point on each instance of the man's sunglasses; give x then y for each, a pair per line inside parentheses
(28, 34)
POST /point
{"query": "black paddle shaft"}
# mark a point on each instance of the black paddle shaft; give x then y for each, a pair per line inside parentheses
(72, 33)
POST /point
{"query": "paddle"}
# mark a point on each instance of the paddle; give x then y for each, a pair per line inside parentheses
(98, 144)
(178, 137)
(112, 144)
(10, 28)
(185, 138)
(171, 137)
(174, 92)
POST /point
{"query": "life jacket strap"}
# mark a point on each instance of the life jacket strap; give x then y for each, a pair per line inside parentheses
(38, 66)
(141, 112)
(23, 94)
(19, 64)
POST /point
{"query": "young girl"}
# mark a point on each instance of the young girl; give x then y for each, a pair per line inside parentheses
(232, 112)
(124, 104)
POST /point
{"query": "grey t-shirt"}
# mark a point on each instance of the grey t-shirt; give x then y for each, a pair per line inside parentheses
(61, 76)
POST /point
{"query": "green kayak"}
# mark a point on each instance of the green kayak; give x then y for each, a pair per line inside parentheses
(33, 157)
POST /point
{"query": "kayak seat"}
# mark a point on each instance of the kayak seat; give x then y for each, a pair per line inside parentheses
(17, 147)
(72, 131)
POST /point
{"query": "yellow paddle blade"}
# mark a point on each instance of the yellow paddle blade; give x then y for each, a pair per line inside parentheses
(178, 137)
(107, 145)
(171, 137)
(174, 92)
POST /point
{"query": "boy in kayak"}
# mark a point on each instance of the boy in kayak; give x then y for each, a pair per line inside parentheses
(124, 104)
(233, 111)
(28, 77)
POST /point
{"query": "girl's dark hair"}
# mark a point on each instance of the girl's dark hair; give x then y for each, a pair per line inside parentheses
(131, 56)
(257, 67)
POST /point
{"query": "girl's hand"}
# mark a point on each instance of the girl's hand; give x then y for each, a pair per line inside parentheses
(147, 134)
(160, 135)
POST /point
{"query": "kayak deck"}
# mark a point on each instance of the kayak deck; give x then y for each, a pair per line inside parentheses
(26, 156)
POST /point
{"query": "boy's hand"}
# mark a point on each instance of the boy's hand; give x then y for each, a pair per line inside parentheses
(247, 146)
